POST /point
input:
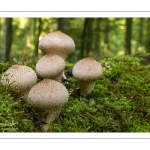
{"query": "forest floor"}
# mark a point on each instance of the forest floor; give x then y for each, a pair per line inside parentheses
(120, 101)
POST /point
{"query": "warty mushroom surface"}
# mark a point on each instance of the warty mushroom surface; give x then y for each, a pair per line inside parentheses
(19, 77)
(48, 97)
(57, 43)
(50, 66)
(86, 71)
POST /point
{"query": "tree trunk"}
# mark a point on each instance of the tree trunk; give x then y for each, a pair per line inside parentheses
(140, 35)
(27, 47)
(63, 24)
(97, 40)
(7, 38)
(148, 36)
(0, 34)
(141, 31)
(87, 37)
(37, 31)
(106, 34)
(128, 35)
(83, 39)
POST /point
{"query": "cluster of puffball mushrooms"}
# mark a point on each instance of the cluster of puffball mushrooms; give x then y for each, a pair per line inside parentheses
(49, 95)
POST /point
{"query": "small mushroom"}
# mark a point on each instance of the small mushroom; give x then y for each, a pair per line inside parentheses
(57, 43)
(48, 97)
(86, 71)
(19, 77)
(51, 66)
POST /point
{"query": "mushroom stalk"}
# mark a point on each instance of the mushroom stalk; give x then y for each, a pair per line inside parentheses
(48, 97)
(46, 116)
(86, 87)
(25, 94)
(63, 75)
(58, 77)
(86, 71)
(49, 115)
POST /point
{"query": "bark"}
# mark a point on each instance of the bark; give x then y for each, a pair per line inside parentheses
(106, 35)
(83, 38)
(128, 36)
(0, 33)
(38, 28)
(141, 31)
(7, 38)
(87, 37)
(63, 24)
(140, 34)
(148, 36)
(97, 40)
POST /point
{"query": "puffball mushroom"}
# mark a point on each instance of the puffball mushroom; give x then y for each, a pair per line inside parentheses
(48, 97)
(50, 66)
(57, 43)
(86, 71)
(19, 77)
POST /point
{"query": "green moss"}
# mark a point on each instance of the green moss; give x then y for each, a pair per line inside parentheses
(14, 116)
(120, 102)
(13, 112)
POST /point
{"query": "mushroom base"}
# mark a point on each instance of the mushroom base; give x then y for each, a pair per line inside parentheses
(86, 87)
(45, 127)
(48, 115)
(58, 77)
(25, 94)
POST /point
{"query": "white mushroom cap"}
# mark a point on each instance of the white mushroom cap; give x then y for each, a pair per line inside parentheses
(50, 66)
(57, 43)
(87, 71)
(48, 96)
(19, 76)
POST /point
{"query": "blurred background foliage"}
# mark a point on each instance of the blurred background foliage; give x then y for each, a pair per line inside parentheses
(95, 37)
